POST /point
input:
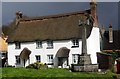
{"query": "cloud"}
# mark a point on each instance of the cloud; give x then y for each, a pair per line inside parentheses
(107, 11)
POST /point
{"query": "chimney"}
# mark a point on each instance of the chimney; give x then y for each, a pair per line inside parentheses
(110, 34)
(18, 16)
(103, 30)
(93, 8)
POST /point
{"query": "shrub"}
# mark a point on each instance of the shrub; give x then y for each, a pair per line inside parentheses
(9, 66)
(37, 65)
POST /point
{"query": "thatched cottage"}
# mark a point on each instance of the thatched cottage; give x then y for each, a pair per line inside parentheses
(54, 40)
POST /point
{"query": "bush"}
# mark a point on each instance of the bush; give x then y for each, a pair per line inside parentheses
(9, 66)
(37, 65)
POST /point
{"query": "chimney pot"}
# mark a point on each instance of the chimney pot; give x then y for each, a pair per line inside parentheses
(110, 34)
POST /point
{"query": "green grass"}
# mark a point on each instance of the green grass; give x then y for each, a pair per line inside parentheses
(52, 72)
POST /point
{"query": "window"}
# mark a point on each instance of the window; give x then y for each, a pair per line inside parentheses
(17, 60)
(50, 44)
(75, 58)
(17, 45)
(50, 58)
(38, 44)
(38, 58)
(75, 43)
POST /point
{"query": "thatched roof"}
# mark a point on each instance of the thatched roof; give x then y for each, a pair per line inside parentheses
(25, 53)
(56, 27)
(63, 52)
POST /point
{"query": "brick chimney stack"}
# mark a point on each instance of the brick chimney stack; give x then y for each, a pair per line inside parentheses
(110, 34)
(93, 7)
(18, 16)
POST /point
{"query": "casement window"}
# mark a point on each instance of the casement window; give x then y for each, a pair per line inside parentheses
(18, 61)
(38, 44)
(49, 44)
(17, 45)
(75, 43)
(50, 59)
(38, 58)
(75, 58)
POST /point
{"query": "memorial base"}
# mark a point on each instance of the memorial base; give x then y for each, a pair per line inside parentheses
(84, 64)
(84, 68)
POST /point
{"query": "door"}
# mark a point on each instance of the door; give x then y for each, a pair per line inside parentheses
(63, 62)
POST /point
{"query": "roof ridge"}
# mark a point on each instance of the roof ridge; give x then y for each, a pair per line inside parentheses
(52, 16)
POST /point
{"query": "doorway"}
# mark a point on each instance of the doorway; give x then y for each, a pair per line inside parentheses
(63, 62)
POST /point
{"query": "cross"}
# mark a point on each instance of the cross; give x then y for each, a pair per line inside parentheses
(93, 1)
(83, 23)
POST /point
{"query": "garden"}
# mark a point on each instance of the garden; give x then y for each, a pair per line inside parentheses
(29, 73)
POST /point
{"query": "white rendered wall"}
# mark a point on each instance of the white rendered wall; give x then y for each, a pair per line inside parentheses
(93, 46)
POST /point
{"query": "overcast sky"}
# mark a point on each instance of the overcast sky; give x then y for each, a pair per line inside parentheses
(107, 11)
(58, 0)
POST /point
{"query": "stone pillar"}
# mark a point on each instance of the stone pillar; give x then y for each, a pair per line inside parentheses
(84, 42)
(84, 58)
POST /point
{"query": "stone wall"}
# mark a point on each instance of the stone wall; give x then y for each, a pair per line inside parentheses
(84, 68)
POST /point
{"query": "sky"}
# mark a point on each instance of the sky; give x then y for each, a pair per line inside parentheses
(107, 11)
(58, 0)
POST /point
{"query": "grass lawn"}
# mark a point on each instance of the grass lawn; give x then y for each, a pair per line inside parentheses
(52, 73)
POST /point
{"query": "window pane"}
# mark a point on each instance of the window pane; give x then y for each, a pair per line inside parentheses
(17, 45)
(50, 44)
(75, 42)
(17, 59)
(38, 59)
(38, 44)
(75, 58)
(50, 58)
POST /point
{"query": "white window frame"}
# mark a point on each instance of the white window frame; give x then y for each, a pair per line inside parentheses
(75, 43)
(50, 58)
(38, 44)
(75, 58)
(17, 60)
(38, 58)
(49, 44)
(17, 45)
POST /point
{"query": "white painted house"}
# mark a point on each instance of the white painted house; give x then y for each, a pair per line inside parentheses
(54, 40)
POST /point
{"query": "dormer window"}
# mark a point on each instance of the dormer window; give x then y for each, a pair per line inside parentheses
(75, 43)
(17, 45)
(38, 44)
(49, 44)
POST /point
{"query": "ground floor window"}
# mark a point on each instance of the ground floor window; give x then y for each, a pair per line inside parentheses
(50, 58)
(38, 58)
(18, 61)
(75, 58)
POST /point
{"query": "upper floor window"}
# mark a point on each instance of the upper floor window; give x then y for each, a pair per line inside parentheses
(49, 44)
(75, 43)
(38, 44)
(18, 61)
(17, 45)
(38, 58)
